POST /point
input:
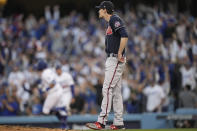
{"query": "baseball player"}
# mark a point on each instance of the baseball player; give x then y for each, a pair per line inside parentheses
(54, 91)
(115, 42)
(66, 82)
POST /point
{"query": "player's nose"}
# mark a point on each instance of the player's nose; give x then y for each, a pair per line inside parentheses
(99, 10)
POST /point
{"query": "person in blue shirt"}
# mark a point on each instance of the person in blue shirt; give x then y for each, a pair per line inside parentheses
(37, 106)
(9, 104)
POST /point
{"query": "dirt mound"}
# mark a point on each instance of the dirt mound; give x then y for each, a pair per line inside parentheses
(21, 128)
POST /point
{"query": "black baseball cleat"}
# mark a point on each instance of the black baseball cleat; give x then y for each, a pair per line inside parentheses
(95, 126)
(113, 127)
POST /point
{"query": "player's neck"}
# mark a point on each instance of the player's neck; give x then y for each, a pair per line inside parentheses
(107, 17)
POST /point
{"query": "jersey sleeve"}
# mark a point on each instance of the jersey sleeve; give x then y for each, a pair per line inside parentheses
(146, 90)
(162, 94)
(117, 26)
(71, 82)
(69, 79)
(116, 23)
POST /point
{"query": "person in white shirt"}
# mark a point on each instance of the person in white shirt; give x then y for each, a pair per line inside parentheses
(55, 101)
(188, 75)
(178, 49)
(52, 89)
(155, 97)
(17, 79)
(67, 83)
(181, 29)
(65, 80)
(194, 48)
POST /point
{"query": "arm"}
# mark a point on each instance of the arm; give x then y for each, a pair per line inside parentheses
(163, 97)
(118, 26)
(6, 105)
(161, 104)
(73, 90)
(72, 87)
(123, 42)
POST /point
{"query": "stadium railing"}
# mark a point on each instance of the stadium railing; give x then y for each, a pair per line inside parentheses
(143, 121)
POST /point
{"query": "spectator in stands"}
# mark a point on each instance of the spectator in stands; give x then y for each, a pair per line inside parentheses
(2, 97)
(52, 18)
(165, 84)
(132, 104)
(188, 74)
(78, 105)
(175, 82)
(98, 87)
(155, 95)
(17, 80)
(157, 40)
(10, 105)
(188, 99)
(194, 48)
(36, 106)
(2, 64)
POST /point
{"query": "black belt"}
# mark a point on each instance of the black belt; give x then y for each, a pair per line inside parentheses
(112, 55)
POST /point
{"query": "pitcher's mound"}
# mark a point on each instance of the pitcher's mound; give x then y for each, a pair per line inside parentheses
(21, 128)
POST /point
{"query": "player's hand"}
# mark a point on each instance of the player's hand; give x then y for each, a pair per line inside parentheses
(73, 101)
(158, 108)
(4, 102)
(120, 58)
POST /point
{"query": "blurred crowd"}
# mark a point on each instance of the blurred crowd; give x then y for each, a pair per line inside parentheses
(161, 71)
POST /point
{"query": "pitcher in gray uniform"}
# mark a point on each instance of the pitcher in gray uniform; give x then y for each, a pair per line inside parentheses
(115, 43)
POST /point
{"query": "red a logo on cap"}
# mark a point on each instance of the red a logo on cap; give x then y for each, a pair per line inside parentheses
(109, 31)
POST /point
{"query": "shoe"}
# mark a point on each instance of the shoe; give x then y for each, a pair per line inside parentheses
(95, 126)
(113, 127)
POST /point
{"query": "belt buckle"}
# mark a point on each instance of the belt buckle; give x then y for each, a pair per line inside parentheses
(113, 55)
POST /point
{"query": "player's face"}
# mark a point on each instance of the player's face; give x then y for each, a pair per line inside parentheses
(101, 13)
(59, 71)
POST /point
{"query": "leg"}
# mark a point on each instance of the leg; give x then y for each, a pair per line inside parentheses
(51, 101)
(63, 108)
(62, 118)
(118, 104)
(112, 75)
(65, 101)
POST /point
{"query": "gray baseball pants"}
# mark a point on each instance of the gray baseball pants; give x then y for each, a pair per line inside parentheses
(112, 92)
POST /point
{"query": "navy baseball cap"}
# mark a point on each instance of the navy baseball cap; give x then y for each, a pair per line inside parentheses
(58, 67)
(41, 65)
(108, 5)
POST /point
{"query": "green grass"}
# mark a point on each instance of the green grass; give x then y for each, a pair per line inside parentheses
(184, 129)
